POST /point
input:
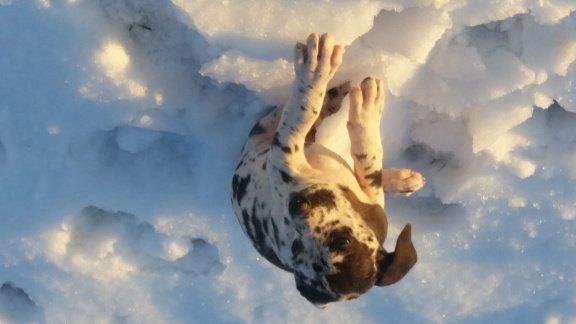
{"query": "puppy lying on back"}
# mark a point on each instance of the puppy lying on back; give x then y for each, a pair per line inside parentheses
(302, 206)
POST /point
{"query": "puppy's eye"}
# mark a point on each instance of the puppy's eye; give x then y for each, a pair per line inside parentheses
(339, 243)
(299, 205)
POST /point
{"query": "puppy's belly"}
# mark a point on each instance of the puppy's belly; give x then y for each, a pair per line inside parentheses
(322, 158)
(330, 166)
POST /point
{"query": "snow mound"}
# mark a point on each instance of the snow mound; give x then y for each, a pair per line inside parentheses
(116, 244)
(150, 155)
(17, 307)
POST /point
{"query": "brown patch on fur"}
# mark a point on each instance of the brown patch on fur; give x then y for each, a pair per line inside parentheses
(356, 274)
(373, 214)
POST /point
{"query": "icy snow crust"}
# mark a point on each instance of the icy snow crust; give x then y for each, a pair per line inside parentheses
(121, 122)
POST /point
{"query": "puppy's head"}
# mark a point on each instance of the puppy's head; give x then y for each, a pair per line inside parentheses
(338, 253)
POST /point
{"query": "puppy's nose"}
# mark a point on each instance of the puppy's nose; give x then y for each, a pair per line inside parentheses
(321, 306)
(351, 296)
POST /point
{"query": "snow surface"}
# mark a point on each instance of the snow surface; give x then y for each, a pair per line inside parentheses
(121, 122)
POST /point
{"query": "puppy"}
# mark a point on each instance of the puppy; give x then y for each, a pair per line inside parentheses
(302, 206)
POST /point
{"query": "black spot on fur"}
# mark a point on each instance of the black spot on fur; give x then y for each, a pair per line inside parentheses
(302, 108)
(276, 142)
(299, 205)
(375, 178)
(266, 226)
(276, 233)
(322, 198)
(264, 151)
(259, 240)
(255, 230)
(332, 93)
(234, 185)
(297, 247)
(259, 237)
(302, 202)
(247, 221)
(317, 267)
(257, 130)
(239, 187)
(239, 164)
(286, 178)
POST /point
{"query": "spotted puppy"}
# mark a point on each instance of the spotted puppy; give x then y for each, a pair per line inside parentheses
(305, 210)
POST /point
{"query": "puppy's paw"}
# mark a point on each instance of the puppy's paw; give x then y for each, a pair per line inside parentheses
(402, 181)
(334, 98)
(316, 61)
(366, 104)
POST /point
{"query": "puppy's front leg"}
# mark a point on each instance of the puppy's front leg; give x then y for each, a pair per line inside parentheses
(366, 104)
(315, 64)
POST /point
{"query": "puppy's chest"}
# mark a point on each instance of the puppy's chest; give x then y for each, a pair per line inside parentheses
(264, 219)
(261, 217)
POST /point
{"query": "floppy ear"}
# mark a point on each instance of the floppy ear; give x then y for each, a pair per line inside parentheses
(395, 265)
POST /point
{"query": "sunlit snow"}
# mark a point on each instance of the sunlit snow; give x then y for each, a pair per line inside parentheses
(121, 122)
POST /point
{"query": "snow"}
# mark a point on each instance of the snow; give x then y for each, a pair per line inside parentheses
(121, 123)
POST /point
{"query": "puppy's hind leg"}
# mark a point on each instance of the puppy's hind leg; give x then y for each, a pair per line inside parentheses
(402, 181)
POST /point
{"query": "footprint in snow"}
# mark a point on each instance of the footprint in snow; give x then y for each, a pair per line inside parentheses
(16, 306)
(120, 241)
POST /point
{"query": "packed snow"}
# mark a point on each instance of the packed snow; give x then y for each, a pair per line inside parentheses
(121, 122)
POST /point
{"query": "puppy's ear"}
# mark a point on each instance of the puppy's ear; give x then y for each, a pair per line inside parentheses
(314, 291)
(395, 265)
